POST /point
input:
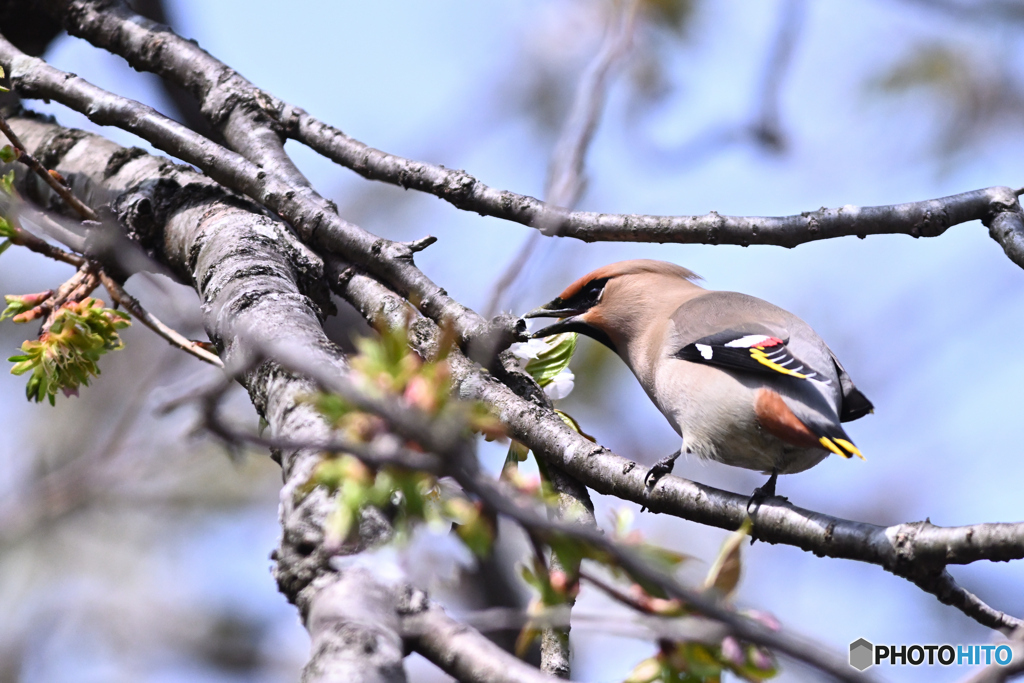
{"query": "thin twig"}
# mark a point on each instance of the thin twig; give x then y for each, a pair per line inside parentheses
(766, 126)
(24, 238)
(78, 286)
(60, 188)
(173, 337)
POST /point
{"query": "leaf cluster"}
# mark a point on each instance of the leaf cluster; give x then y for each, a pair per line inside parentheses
(65, 356)
(386, 367)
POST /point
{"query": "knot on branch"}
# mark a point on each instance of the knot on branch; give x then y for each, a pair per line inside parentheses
(1002, 200)
(932, 224)
(412, 601)
(458, 187)
(909, 558)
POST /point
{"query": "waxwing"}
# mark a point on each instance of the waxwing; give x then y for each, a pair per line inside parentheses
(742, 381)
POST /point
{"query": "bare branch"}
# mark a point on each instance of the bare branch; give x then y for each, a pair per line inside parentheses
(462, 652)
(24, 238)
(121, 31)
(173, 337)
(60, 188)
(313, 218)
(216, 241)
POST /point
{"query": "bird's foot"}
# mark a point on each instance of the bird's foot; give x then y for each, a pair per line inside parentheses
(659, 470)
(763, 493)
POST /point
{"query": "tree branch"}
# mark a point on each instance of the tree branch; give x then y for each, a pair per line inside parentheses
(448, 439)
(907, 550)
(313, 218)
(462, 652)
(60, 188)
(172, 336)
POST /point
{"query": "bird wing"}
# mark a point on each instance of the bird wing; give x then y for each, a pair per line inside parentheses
(742, 332)
(757, 352)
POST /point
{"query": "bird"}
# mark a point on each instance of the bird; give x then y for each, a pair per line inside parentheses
(742, 381)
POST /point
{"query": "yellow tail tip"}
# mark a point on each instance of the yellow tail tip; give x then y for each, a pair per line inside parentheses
(850, 448)
(827, 443)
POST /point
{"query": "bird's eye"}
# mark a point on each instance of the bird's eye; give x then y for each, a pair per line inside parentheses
(595, 289)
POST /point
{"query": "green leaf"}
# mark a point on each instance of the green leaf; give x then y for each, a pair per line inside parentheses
(571, 421)
(8, 154)
(517, 453)
(4, 246)
(6, 229)
(553, 359)
(7, 183)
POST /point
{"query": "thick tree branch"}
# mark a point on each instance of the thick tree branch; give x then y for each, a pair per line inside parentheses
(462, 652)
(217, 242)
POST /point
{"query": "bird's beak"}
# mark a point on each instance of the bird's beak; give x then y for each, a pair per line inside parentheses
(571, 319)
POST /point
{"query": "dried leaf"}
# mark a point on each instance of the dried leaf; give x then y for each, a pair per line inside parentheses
(725, 572)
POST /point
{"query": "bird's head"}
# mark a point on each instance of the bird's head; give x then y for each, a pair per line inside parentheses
(611, 301)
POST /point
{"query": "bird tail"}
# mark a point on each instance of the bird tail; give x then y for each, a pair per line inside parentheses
(824, 424)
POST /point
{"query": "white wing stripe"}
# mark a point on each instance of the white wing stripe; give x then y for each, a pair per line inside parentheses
(748, 341)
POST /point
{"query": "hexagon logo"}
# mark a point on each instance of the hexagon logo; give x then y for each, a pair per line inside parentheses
(862, 654)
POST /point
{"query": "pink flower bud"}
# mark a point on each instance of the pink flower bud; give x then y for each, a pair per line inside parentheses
(732, 652)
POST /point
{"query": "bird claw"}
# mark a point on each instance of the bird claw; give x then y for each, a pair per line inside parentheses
(660, 469)
(763, 493)
(657, 471)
